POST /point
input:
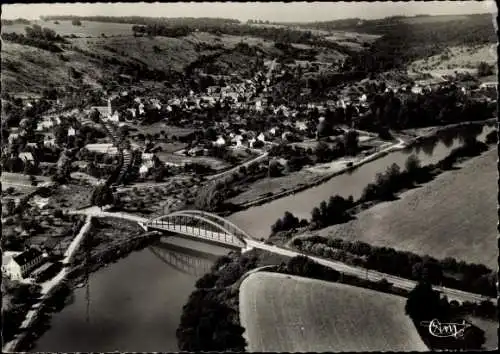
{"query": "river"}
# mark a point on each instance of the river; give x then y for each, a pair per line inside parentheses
(257, 220)
(136, 303)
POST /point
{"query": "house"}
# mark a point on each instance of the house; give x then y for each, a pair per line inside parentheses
(27, 157)
(71, 132)
(49, 140)
(19, 266)
(238, 140)
(220, 141)
(301, 125)
(261, 137)
(417, 90)
(274, 131)
(13, 138)
(44, 124)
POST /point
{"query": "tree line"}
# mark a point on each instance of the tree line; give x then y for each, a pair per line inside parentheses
(36, 36)
(475, 278)
(393, 180)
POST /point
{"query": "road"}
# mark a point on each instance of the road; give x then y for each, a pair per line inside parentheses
(235, 169)
(452, 294)
(49, 285)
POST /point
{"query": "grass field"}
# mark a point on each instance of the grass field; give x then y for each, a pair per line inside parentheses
(293, 314)
(490, 329)
(454, 215)
(88, 28)
(460, 58)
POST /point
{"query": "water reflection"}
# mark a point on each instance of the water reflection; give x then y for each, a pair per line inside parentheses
(134, 304)
(429, 146)
(185, 260)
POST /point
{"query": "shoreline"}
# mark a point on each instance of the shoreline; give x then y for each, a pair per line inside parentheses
(71, 276)
(49, 287)
(400, 145)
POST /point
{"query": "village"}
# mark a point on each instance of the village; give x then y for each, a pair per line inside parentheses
(205, 135)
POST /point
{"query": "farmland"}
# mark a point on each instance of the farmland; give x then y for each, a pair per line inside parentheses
(288, 314)
(459, 209)
(460, 58)
(87, 29)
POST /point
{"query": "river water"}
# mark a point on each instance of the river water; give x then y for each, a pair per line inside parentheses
(136, 303)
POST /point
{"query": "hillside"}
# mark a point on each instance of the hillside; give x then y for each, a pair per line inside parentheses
(98, 60)
(459, 209)
(457, 58)
(293, 314)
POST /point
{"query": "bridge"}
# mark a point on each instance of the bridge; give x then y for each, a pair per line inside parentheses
(211, 228)
(201, 226)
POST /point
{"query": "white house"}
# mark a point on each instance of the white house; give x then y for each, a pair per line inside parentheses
(26, 157)
(417, 90)
(301, 125)
(261, 137)
(273, 131)
(237, 140)
(44, 124)
(49, 140)
(17, 267)
(147, 163)
(13, 137)
(71, 132)
(220, 141)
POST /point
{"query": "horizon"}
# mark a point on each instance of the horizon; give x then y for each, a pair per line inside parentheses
(273, 12)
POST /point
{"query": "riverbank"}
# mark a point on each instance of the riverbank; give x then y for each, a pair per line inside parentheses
(49, 287)
(455, 218)
(303, 180)
(338, 168)
(79, 264)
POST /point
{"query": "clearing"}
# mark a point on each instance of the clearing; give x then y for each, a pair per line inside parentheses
(460, 212)
(285, 313)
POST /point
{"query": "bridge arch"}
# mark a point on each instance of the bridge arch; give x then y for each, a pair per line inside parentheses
(218, 218)
(221, 225)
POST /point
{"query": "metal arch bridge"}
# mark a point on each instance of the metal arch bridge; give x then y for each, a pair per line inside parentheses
(202, 226)
(182, 262)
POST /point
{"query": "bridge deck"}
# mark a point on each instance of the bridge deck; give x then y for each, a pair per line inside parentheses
(219, 238)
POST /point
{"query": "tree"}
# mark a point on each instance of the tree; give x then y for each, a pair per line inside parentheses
(102, 195)
(484, 69)
(322, 152)
(76, 22)
(412, 164)
(324, 129)
(423, 303)
(274, 169)
(351, 142)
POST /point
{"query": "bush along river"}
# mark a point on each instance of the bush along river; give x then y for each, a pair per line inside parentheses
(136, 303)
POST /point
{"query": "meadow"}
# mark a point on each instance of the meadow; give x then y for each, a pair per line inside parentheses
(285, 313)
(454, 215)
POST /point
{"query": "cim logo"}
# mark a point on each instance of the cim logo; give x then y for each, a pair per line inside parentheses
(443, 330)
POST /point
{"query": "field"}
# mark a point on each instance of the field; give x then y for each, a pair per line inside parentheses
(88, 28)
(293, 314)
(20, 182)
(460, 58)
(490, 328)
(460, 212)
